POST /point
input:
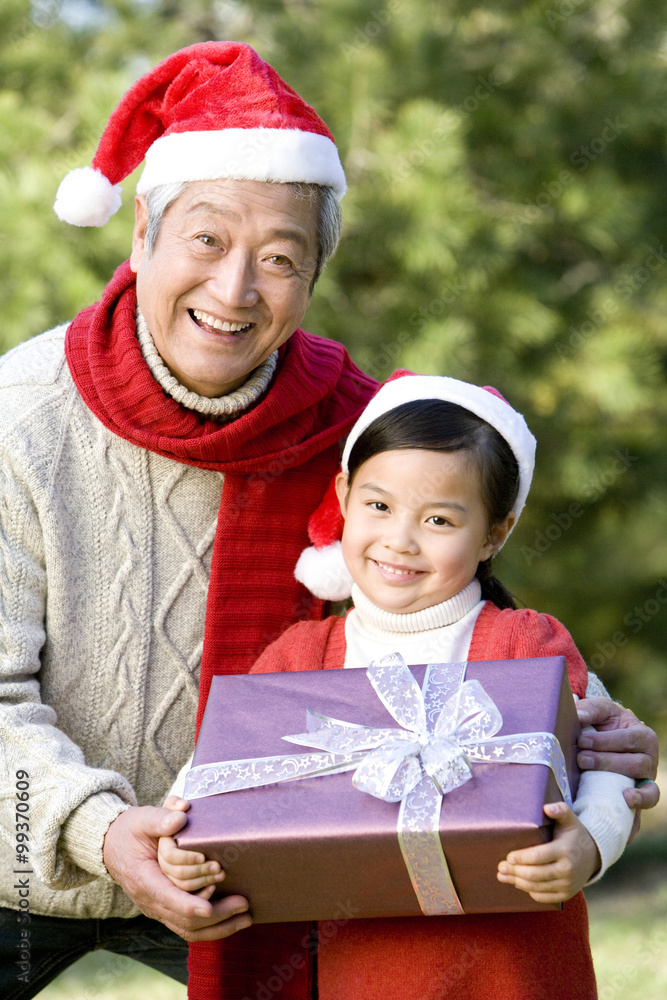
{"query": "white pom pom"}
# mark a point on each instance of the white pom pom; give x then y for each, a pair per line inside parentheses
(87, 198)
(324, 573)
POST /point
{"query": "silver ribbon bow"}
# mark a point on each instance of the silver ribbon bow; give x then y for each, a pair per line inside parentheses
(445, 725)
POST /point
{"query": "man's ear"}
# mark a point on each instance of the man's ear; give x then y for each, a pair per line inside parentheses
(496, 537)
(341, 490)
(139, 233)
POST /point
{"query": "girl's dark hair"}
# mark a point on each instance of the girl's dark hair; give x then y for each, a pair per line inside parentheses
(436, 425)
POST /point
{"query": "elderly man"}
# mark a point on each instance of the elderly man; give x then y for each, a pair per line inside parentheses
(161, 457)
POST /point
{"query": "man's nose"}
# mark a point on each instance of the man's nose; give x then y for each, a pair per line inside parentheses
(234, 281)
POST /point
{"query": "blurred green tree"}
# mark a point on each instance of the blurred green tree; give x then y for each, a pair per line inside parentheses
(504, 225)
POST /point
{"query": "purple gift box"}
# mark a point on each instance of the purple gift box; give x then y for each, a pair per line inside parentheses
(318, 848)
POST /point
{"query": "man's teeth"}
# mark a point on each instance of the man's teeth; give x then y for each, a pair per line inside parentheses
(217, 324)
(398, 572)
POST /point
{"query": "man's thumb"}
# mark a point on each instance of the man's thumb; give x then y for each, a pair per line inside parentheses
(168, 822)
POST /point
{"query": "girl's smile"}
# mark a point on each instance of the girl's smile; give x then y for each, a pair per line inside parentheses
(415, 527)
(394, 573)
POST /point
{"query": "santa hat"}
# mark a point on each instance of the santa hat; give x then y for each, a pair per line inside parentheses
(321, 567)
(213, 110)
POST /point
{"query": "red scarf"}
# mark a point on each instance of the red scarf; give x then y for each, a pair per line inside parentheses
(278, 459)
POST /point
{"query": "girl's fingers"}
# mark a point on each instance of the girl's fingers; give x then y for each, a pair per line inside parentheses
(550, 890)
(191, 859)
(533, 878)
(191, 879)
(191, 864)
(169, 852)
(542, 854)
(188, 870)
(194, 884)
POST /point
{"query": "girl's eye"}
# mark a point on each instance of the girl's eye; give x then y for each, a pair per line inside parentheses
(378, 505)
(438, 520)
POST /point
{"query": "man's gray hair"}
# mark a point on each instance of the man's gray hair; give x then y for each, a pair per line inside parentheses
(158, 201)
(329, 220)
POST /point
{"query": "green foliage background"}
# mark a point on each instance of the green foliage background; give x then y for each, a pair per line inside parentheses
(504, 224)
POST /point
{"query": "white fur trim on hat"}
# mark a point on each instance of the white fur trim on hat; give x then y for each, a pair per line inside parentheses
(87, 198)
(324, 573)
(252, 154)
(483, 402)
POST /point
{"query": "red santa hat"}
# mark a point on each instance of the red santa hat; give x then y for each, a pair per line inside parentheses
(213, 110)
(321, 567)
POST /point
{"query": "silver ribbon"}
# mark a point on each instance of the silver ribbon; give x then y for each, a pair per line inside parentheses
(445, 725)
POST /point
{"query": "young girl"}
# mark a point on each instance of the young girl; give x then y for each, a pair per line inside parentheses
(435, 475)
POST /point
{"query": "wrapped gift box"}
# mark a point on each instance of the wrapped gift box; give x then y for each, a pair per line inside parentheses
(318, 848)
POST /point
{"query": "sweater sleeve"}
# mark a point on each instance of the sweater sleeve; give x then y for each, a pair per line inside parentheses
(604, 812)
(70, 805)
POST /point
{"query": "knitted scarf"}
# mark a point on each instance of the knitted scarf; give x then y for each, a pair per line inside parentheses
(278, 458)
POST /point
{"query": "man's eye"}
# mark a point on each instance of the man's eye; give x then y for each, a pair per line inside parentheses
(280, 259)
(206, 239)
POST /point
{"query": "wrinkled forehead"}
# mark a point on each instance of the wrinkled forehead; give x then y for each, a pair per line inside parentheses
(288, 210)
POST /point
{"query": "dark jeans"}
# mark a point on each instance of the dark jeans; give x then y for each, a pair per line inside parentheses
(54, 943)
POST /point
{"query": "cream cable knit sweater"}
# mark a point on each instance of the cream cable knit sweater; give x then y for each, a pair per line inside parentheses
(110, 546)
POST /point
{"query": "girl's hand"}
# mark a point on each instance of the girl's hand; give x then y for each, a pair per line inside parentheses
(188, 870)
(554, 872)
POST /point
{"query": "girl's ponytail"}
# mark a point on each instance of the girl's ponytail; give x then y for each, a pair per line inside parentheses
(492, 589)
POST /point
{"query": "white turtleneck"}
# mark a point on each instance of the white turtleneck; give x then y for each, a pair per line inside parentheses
(441, 633)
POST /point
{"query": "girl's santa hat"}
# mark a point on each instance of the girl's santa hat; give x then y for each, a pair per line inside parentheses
(321, 567)
(213, 110)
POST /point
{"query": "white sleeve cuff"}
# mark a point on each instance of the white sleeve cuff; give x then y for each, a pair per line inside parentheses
(604, 812)
(595, 687)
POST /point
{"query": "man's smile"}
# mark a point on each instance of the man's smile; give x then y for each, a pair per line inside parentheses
(211, 324)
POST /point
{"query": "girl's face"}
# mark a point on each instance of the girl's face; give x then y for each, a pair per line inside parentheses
(415, 527)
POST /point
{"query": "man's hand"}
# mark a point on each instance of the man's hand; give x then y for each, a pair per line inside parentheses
(623, 744)
(130, 855)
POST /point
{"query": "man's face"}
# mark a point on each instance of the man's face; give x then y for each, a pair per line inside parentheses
(228, 280)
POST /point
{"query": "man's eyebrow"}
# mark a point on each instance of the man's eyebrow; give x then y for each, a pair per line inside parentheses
(294, 235)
